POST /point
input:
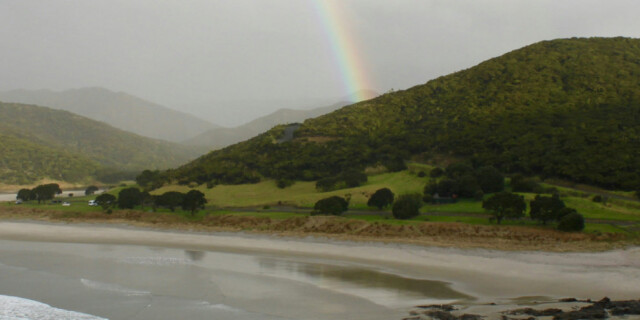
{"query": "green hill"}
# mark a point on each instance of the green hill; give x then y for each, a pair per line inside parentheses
(39, 142)
(118, 109)
(566, 108)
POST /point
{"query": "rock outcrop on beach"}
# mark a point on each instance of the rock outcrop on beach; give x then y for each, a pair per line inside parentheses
(563, 309)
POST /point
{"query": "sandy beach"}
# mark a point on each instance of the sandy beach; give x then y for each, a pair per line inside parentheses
(487, 275)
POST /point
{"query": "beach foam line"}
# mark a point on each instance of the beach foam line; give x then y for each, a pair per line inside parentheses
(113, 288)
(16, 308)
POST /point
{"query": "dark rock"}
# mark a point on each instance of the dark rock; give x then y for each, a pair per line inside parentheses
(537, 313)
(568, 300)
(590, 312)
(443, 307)
(467, 316)
(441, 315)
(620, 308)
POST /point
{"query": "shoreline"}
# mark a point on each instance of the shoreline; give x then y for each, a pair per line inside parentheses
(488, 275)
(426, 234)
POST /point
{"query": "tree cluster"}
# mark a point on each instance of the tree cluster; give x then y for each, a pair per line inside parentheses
(462, 180)
(41, 193)
(130, 198)
(347, 179)
(332, 206)
(382, 198)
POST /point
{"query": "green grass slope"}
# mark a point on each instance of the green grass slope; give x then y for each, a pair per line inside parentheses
(566, 108)
(39, 142)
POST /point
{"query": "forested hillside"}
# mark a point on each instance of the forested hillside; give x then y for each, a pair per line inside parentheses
(567, 108)
(39, 142)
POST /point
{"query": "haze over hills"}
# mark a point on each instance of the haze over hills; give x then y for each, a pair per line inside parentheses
(39, 142)
(118, 109)
(222, 137)
(567, 108)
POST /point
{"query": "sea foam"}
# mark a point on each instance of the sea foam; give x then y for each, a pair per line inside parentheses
(15, 308)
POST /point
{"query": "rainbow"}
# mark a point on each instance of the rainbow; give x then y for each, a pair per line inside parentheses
(344, 48)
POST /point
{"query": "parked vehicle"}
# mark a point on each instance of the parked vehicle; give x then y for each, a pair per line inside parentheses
(93, 203)
(66, 204)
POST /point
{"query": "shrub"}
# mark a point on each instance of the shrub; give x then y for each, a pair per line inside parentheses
(458, 169)
(505, 205)
(129, 198)
(421, 174)
(333, 205)
(407, 206)
(90, 190)
(283, 183)
(210, 184)
(436, 172)
(106, 201)
(571, 222)
(326, 184)
(353, 178)
(545, 209)
(381, 198)
(490, 179)
(597, 198)
(521, 184)
(467, 186)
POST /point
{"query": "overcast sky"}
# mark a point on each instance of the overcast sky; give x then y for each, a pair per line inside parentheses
(221, 59)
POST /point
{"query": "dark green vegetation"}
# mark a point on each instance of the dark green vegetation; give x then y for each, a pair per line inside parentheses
(333, 205)
(38, 142)
(571, 222)
(407, 206)
(381, 198)
(563, 108)
(193, 201)
(505, 205)
(40, 193)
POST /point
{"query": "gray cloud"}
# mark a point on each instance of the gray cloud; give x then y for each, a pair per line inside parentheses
(194, 55)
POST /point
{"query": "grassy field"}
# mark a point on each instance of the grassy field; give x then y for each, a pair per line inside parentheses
(620, 216)
(301, 194)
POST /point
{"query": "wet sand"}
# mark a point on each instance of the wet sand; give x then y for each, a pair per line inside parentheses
(363, 274)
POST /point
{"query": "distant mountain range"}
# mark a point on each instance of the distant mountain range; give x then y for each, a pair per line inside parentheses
(566, 108)
(39, 142)
(221, 137)
(118, 109)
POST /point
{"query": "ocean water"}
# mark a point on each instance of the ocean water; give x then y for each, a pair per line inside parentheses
(87, 281)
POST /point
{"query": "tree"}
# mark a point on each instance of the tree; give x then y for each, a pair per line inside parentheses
(171, 199)
(353, 178)
(26, 195)
(545, 209)
(458, 169)
(333, 205)
(505, 205)
(436, 172)
(46, 192)
(326, 184)
(106, 201)
(407, 206)
(381, 198)
(571, 222)
(149, 180)
(193, 201)
(129, 198)
(90, 190)
(490, 179)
